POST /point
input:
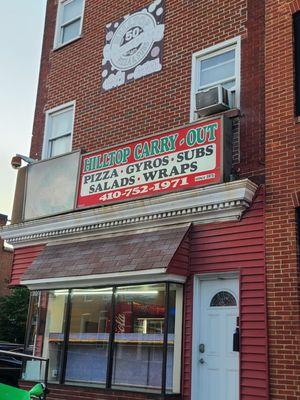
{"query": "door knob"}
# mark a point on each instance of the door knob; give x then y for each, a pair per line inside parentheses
(201, 348)
(201, 361)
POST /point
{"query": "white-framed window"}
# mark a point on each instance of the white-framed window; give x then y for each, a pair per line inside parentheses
(58, 130)
(217, 65)
(68, 21)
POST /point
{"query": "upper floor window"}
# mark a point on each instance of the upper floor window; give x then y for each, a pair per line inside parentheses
(68, 21)
(58, 130)
(217, 65)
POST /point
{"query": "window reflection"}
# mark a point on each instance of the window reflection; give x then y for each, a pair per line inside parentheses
(74, 329)
(89, 335)
(33, 370)
(33, 319)
(54, 332)
(139, 336)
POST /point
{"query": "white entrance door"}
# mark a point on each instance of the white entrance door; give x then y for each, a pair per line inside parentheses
(216, 374)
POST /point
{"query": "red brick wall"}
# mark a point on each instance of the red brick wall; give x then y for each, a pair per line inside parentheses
(6, 257)
(282, 181)
(162, 100)
(39, 117)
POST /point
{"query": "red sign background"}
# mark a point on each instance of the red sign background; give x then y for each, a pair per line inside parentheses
(180, 159)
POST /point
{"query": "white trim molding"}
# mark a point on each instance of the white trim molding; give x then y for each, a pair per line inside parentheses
(58, 42)
(84, 281)
(217, 203)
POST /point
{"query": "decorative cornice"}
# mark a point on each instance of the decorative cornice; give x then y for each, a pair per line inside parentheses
(223, 202)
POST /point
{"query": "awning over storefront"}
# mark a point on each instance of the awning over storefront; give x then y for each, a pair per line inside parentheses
(141, 257)
(23, 258)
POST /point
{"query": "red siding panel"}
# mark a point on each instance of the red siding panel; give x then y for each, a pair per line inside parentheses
(235, 246)
(181, 260)
(23, 257)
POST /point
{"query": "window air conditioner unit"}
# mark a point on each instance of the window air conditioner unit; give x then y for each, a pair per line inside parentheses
(212, 100)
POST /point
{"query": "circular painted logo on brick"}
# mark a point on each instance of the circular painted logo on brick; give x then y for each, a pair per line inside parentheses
(132, 41)
(133, 46)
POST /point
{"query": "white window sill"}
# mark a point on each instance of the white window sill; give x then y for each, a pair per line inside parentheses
(59, 46)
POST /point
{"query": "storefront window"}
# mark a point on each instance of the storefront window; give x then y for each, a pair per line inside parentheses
(54, 332)
(126, 337)
(89, 335)
(33, 369)
(139, 336)
(33, 320)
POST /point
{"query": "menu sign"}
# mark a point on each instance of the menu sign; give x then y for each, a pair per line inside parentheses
(180, 159)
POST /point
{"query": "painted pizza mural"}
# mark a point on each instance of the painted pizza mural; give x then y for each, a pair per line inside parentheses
(133, 46)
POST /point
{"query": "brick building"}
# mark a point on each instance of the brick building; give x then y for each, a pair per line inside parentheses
(6, 258)
(158, 232)
(282, 201)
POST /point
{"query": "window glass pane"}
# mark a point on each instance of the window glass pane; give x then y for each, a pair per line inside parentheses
(89, 335)
(70, 31)
(72, 10)
(61, 123)
(139, 336)
(218, 59)
(54, 332)
(34, 370)
(60, 146)
(33, 318)
(217, 68)
(223, 299)
(229, 85)
(174, 339)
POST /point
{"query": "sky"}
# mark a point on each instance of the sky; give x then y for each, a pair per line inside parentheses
(21, 33)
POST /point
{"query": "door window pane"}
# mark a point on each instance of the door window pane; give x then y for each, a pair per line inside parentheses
(54, 332)
(139, 336)
(89, 335)
(223, 299)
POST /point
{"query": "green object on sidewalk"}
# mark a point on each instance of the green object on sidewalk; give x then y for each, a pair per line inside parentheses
(12, 393)
(37, 390)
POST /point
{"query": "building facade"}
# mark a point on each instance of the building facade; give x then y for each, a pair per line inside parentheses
(148, 226)
(282, 205)
(6, 258)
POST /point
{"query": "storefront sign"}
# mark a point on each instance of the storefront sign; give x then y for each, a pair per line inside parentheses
(45, 183)
(133, 46)
(184, 158)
